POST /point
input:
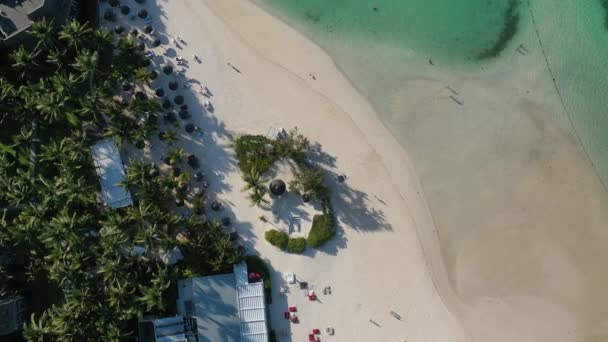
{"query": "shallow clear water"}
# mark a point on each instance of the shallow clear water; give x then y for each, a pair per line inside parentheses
(453, 32)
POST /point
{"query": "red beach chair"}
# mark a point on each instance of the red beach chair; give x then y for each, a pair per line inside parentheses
(312, 297)
(316, 331)
(292, 309)
(311, 337)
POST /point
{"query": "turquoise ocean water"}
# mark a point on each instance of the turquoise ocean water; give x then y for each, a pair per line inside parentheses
(454, 32)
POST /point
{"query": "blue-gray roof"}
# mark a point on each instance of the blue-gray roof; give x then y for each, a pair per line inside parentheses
(213, 300)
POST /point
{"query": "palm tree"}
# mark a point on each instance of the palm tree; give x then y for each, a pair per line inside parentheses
(86, 64)
(170, 137)
(141, 75)
(43, 32)
(177, 155)
(152, 295)
(256, 196)
(253, 179)
(76, 34)
(24, 61)
(38, 330)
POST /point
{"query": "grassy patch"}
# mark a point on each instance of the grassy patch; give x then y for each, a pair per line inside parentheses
(296, 245)
(257, 265)
(277, 238)
(321, 231)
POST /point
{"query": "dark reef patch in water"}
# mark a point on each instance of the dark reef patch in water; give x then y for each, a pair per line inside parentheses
(605, 5)
(509, 29)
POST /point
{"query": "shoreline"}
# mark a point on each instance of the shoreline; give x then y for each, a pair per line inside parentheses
(536, 183)
(429, 239)
(266, 71)
(426, 232)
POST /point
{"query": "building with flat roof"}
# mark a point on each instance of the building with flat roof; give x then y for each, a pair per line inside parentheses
(12, 312)
(16, 16)
(108, 164)
(225, 307)
(168, 329)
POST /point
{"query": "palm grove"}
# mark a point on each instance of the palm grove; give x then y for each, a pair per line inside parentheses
(69, 255)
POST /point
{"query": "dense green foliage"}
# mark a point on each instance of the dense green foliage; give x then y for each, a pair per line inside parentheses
(322, 230)
(55, 102)
(277, 238)
(296, 245)
(255, 264)
(309, 182)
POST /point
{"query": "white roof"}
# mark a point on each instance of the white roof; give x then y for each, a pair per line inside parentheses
(108, 164)
(252, 312)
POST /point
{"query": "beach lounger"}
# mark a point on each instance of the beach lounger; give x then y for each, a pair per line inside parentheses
(316, 331)
(292, 309)
(311, 337)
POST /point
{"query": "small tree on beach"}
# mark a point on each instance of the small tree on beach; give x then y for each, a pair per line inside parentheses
(309, 182)
(177, 155)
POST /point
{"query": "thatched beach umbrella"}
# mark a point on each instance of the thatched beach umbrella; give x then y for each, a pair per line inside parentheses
(167, 69)
(125, 9)
(178, 100)
(119, 29)
(190, 128)
(153, 75)
(142, 13)
(156, 42)
(109, 15)
(167, 104)
(277, 187)
(170, 116)
(183, 114)
(148, 28)
(160, 92)
(140, 95)
(216, 205)
(173, 85)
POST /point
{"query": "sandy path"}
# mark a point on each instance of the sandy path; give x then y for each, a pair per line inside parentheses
(376, 263)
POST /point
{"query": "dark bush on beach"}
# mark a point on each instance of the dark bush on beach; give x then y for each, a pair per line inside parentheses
(277, 238)
(254, 152)
(255, 264)
(321, 231)
(509, 29)
(296, 245)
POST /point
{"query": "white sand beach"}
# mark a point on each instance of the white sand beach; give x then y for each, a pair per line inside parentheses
(260, 73)
(526, 270)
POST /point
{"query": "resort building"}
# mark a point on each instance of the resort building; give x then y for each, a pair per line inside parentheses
(168, 329)
(16, 16)
(225, 307)
(12, 313)
(108, 164)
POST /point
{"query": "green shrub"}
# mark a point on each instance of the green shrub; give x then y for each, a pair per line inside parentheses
(277, 238)
(322, 230)
(296, 245)
(309, 182)
(257, 265)
(254, 152)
